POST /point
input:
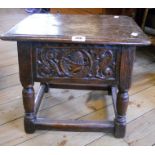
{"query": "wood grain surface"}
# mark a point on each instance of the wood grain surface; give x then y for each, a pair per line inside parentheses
(99, 29)
(76, 104)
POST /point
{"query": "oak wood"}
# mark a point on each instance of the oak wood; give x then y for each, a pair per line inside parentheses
(104, 11)
(74, 125)
(99, 29)
(83, 11)
(38, 98)
(28, 101)
(114, 92)
(125, 74)
(25, 63)
(65, 62)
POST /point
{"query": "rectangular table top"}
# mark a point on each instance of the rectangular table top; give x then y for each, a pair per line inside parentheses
(99, 29)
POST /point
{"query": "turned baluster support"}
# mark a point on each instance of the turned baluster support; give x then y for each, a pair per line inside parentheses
(126, 58)
(121, 107)
(28, 101)
(26, 78)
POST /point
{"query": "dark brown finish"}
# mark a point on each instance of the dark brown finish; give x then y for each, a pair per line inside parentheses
(125, 74)
(103, 60)
(57, 61)
(83, 11)
(74, 125)
(39, 97)
(98, 29)
(25, 63)
(26, 78)
(28, 101)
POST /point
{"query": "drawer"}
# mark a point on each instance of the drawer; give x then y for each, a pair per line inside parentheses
(65, 62)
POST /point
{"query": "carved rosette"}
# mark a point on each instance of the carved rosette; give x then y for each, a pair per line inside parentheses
(94, 63)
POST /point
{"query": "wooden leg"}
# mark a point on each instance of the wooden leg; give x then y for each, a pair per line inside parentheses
(28, 101)
(126, 56)
(39, 97)
(46, 88)
(26, 78)
(121, 107)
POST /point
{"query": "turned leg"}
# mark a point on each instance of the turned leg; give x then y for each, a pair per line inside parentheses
(28, 101)
(126, 57)
(27, 81)
(121, 107)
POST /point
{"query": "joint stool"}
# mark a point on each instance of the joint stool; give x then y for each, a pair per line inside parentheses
(77, 52)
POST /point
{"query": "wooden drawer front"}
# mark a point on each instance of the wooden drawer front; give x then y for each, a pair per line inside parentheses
(73, 61)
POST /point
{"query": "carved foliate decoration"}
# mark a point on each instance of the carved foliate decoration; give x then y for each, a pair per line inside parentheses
(92, 63)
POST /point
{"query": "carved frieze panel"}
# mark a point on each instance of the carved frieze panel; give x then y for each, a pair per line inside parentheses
(75, 62)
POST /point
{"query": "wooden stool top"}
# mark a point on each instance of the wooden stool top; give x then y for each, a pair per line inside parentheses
(96, 29)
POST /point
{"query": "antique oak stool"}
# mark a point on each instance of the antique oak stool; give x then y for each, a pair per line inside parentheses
(76, 52)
